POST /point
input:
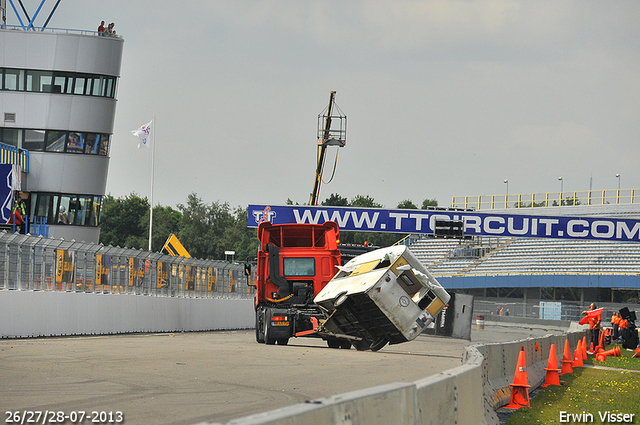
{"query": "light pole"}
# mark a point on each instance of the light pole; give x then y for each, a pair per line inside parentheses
(618, 192)
(561, 188)
(618, 177)
(506, 198)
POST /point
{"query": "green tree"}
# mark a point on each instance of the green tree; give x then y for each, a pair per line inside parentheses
(166, 221)
(203, 227)
(123, 221)
(335, 200)
(429, 203)
(364, 202)
(407, 205)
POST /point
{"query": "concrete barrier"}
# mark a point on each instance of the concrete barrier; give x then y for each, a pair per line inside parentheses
(467, 394)
(39, 313)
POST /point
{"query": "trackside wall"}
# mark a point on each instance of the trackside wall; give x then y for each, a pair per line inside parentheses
(467, 394)
(41, 313)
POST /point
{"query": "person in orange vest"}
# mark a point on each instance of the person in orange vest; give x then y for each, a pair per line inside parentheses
(594, 326)
(615, 321)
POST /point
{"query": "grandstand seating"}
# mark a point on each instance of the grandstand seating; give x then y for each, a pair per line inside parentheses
(529, 256)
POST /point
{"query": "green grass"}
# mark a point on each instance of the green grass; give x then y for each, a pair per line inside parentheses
(588, 390)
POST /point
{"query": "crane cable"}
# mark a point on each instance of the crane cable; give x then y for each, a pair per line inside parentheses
(333, 173)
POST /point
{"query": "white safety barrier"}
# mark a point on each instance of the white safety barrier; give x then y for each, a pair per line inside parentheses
(42, 313)
(467, 394)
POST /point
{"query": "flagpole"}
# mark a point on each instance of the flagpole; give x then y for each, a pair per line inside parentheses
(153, 155)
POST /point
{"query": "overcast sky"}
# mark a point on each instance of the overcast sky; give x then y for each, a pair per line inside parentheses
(443, 98)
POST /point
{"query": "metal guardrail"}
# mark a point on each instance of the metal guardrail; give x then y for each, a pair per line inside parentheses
(40, 264)
(58, 30)
(548, 199)
(16, 156)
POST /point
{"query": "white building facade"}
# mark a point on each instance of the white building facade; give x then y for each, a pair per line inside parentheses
(58, 102)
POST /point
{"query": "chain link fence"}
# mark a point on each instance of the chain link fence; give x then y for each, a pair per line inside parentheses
(36, 263)
(543, 309)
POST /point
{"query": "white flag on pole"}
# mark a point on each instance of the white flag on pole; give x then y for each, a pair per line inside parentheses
(143, 135)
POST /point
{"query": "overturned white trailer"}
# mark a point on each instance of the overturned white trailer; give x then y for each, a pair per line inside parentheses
(383, 296)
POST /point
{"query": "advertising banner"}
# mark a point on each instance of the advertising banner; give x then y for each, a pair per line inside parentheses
(136, 271)
(163, 275)
(65, 261)
(103, 265)
(475, 223)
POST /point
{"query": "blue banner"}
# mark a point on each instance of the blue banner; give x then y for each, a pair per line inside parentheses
(7, 185)
(475, 223)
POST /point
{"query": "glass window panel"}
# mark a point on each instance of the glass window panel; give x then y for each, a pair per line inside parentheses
(79, 85)
(104, 145)
(46, 207)
(62, 83)
(299, 266)
(56, 141)
(109, 87)
(95, 216)
(14, 79)
(12, 136)
(68, 209)
(33, 140)
(98, 86)
(75, 144)
(39, 81)
(84, 210)
(91, 143)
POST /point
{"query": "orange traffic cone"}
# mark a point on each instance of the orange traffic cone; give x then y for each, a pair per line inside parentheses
(583, 347)
(602, 355)
(636, 355)
(552, 377)
(577, 356)
(613, 352)
(566, 359)
(519, 391)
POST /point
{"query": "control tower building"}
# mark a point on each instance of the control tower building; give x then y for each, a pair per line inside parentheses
(57, 105)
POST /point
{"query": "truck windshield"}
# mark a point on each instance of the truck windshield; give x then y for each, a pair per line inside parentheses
(299, 266)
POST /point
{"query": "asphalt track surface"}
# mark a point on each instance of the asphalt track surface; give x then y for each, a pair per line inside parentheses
(186, 378)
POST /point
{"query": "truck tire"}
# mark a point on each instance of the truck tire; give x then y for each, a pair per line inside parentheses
(361, 345)
(282, 341)
(268, 338)
(345, 344)
(379, 344)
(260, 326)
(333, 343)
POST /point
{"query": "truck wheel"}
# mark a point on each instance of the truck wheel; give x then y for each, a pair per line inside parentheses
(283, 341)
(345, 344)
(379, 344)
(268, 339)
(333, 343)
(361, 345)
(259, 327)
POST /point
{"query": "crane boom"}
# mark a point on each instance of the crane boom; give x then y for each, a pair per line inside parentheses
(327, 137)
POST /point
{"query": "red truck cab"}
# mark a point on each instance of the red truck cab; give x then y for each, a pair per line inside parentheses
(295, 262)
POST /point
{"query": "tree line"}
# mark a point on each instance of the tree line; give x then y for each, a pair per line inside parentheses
(208, 230)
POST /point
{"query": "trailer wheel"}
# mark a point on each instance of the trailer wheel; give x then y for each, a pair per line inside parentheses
(379, 344)
(361, 345)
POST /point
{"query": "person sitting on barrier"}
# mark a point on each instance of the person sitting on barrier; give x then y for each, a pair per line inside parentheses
(594, 326)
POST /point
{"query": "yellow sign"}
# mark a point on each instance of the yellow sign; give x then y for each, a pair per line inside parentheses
(173, 247)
